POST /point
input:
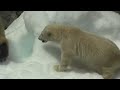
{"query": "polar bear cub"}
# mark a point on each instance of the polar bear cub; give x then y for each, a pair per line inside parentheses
(97, 53)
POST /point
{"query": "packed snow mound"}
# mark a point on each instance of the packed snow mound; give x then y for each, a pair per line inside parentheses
(30, 58)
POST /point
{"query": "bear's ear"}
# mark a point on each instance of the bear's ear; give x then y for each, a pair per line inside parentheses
(2, 28)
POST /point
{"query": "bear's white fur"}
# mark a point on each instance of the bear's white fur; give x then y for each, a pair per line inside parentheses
(97, 53)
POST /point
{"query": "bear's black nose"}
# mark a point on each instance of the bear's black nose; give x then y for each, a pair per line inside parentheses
(43, 41)
(3, 52)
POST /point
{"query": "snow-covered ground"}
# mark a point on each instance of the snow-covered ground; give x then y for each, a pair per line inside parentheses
(30, 58)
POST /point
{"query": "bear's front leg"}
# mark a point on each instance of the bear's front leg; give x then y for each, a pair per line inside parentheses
(65, 62)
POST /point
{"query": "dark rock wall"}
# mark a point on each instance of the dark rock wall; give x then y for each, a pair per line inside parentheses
(9, 16)
(117, 12)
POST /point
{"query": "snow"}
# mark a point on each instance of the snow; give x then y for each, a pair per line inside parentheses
(29, 58)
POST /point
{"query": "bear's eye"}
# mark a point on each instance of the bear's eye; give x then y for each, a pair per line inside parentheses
(49, 34)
